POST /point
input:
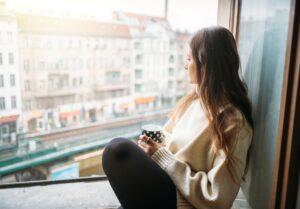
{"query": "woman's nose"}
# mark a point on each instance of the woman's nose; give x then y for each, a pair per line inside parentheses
(185, 66)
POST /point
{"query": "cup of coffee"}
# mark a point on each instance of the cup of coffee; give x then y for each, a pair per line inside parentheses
(154, 132)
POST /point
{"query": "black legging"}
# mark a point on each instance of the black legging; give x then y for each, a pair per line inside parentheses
(137, 180)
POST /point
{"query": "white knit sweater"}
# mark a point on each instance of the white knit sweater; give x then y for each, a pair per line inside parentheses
(201, 177)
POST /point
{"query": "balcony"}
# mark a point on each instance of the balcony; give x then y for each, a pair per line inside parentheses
(54, 92)
(110, 86)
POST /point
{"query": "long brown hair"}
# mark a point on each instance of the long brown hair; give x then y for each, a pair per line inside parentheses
(218, 83)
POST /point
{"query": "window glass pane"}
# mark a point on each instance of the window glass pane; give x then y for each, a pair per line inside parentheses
(13, 102)
(12, 80)
(11, 58)
(262, 47)
(1, 80)
(76, 74)
(2, 103)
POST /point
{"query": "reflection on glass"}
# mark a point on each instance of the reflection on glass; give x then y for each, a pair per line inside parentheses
(262, 46)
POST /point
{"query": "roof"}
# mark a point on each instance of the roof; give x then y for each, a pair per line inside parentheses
(183, 36)
(141, 20)
(144, 17)
(39, 24)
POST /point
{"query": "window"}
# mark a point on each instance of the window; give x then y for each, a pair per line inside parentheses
(9, 37)
(40, 124)
(26, 65)
(138, 87)
(138, 59)
(27, 85)
(180, 58)
(42, 84)
(12, 80)
(5, 129)
(13, 102)
(170, 84)
(27, 105)
(80, 64)
(137, 45)
(42, 65)
(113, 76)
(138, 73)
(171, 59)
(79, 44)
(264, 34)
(2, 103)
(1, 80)
(171, 71)
(74, 82)
(11, 58)
(83, 70)
(51, 83)
(25, 42)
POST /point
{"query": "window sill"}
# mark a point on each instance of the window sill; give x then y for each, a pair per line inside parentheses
(89, 193)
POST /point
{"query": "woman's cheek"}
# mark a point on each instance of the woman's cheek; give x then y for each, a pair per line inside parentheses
(192, 71)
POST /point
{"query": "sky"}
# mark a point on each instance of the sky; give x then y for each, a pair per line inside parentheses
(188, 15)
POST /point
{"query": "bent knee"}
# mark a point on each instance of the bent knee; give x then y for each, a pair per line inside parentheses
(118, 140)
(117, 149)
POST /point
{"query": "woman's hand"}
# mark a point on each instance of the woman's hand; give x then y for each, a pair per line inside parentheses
(148, 145)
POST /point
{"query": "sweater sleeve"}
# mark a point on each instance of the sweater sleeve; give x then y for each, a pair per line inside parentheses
(213, 189)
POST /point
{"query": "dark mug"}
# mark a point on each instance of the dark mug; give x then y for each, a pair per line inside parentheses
(154, 132)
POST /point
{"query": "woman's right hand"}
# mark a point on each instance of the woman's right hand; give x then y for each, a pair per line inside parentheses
(149, 145)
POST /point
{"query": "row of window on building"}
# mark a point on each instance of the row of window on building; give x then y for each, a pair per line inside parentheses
(54, 83)
(3, 103)
(139, 73)
(69, 43)
(152, 44)
(95, 43)
(158, 58)
(49, 102)
(10, 58)
(141, 87)
(78, 63)
(74, 64)
(6, 37)
(12, 80)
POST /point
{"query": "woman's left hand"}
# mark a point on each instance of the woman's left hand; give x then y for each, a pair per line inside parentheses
(148, 145)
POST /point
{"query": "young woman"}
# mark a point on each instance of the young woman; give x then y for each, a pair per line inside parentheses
(205, 155)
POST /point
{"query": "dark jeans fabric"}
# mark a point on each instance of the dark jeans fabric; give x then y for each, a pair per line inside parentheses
(137, 180)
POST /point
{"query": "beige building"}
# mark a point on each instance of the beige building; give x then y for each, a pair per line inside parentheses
(10, 97)
(158, 55)
(67, 65)
(75, 71)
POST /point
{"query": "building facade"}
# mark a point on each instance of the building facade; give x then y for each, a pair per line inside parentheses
(10, 94)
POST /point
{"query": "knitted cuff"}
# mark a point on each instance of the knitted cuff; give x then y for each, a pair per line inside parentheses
(163, 157)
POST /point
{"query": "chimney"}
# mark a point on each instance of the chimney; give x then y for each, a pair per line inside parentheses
(166, 9)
